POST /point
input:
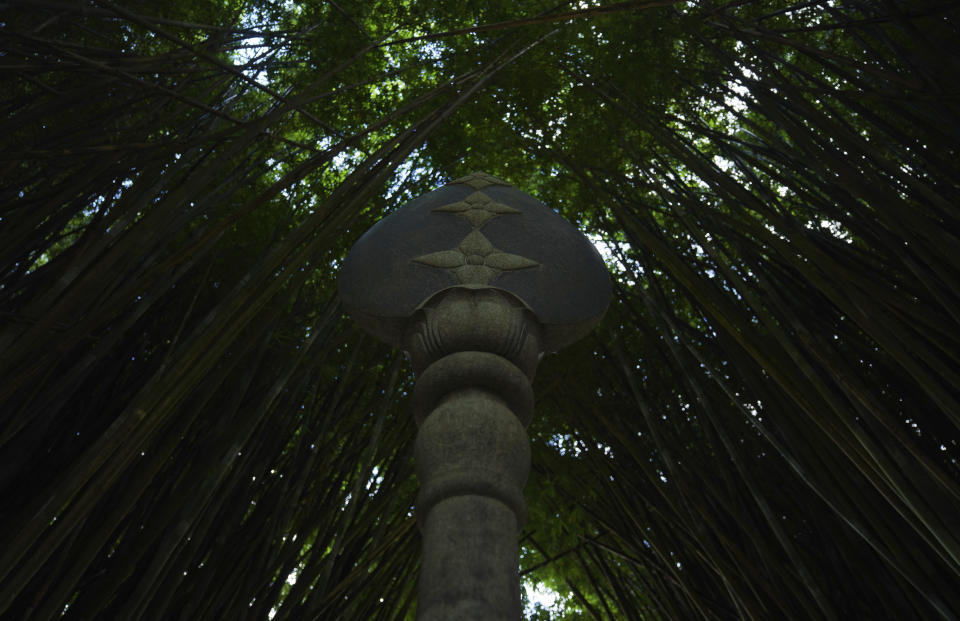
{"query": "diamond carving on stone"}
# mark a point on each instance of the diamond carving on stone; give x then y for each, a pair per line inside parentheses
(477, 209)
(475, 261)
(479, 180)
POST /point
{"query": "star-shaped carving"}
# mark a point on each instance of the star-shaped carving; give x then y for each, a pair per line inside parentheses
(479, 180)
(477, 209)
(475, 261)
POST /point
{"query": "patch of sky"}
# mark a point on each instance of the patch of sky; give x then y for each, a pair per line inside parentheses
(737, 93)
(566, 444)
(431, 50)
(770, 228)
(347, 159)
(614, 256)
(754, 409)
(410, 168)
(832, 227)
(291, 580)
(324, 142)
(250, 51)
(373, 483)
(246, 56)
(722, 163)
(540, 597)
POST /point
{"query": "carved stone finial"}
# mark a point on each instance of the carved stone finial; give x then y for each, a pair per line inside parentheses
(477, 230)
(474, 281)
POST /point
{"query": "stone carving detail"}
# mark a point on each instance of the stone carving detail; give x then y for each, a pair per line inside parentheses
(477, 209)
(475, 261)
(479, 180)
(481, 319)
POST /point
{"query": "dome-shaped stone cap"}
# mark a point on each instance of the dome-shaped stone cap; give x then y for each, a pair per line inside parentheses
(476, 231)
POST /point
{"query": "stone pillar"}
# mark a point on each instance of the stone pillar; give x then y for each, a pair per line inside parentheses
(474, 351)
(475, 281)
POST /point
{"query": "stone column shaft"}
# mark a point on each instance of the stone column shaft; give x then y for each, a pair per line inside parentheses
(472, 403)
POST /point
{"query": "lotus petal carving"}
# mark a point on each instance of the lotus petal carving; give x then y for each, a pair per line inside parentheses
(475, 261)
(503, 261)
(477, 209)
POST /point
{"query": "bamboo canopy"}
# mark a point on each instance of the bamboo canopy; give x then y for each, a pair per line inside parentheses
(764, 425)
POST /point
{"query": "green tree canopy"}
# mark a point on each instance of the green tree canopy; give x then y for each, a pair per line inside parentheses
(764, 426)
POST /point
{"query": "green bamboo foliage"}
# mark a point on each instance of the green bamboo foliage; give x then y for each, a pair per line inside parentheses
(764, 426)
(784, 296)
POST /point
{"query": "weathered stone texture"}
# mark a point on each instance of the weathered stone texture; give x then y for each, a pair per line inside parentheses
(474, 281)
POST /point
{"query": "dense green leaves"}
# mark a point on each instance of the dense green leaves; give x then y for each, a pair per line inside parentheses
(764, 426)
